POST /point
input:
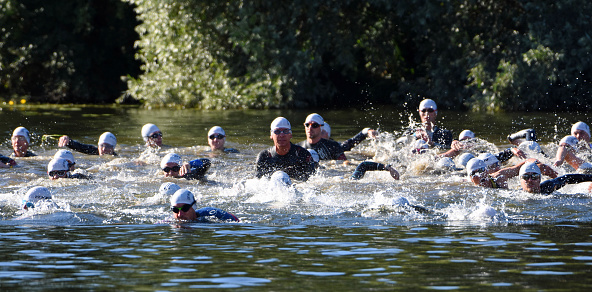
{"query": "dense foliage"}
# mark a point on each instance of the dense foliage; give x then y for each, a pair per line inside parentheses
(66, 51)
(466, 54)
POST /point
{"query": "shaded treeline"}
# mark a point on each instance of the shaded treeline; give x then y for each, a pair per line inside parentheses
(472, 54)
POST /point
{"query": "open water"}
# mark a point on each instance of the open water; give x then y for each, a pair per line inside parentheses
(330, 233)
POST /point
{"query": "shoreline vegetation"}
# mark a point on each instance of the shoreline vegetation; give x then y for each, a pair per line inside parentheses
(475, 55)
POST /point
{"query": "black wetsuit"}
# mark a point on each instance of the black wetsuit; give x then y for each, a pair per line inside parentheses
(199, 167)
(367, 166)
(442, 138)
(327, 149)
(350, 143)
(78, 176)
(297, 163)
(207, 212)
(552, 185)
(84, 148)
(7, 160)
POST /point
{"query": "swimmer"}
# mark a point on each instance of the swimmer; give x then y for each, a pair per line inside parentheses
(183, 203)
(477, 173)
(7, 162)
(434, 136)
(20, 143)
(216, 140)
(350, 143)
(568, 146)
(530, 180)
(66, 154)
(152, 135)
(106, 145)
(372, 166)
(581, 131)
(327, 149)
(36, 195)
(173, 166)
(60, 168)
(283, 155)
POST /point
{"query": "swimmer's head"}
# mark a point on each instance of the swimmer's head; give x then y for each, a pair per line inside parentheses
(216, 138)
(530, 146)
(280, 123)
(66, 154)
(314, 154)
(475, 166)
(464, 158)
(326, 131)
(570, 141)
(182, 202)
(314, 118)
(107, 143)
(168, 188)
(428, 104)
(58, 168)
(281, 177)
(466, 134)
(170, 158)
(23, 132)
(149, 129)
(581, 131)
(490, 160)
(34, 195)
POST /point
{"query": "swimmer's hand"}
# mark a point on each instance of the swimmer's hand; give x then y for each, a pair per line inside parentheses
(64, 141)
(393, 171)
(518, 153)
(185, 169)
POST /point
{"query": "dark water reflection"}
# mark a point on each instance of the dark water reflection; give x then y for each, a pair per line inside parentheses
(330, 233)
(157, 257)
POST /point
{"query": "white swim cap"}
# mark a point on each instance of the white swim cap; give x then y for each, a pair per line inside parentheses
(21, 131)
(529, 167)
(569, 140)
(182, 196)
(428, 103)
(580, 126)
(464, 158)
(315, 118)
(475, 164)
(314, 154)
(171, 157)
(327, 129)
(108, 138)
(281, 177)
(66, 154)
(446, 163)
(168, 188)
(216, 130)
(466, 134)
(57, 164)
(488, 158)
(34, 195)
(149, 129)
(280, 122)
(530, 146)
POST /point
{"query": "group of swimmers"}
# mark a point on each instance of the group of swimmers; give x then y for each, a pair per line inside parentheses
(288, 161)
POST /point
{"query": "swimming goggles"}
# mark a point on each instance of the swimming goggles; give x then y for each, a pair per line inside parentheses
(285, 131)
(532, 176)
(183, 208)
(155, 135)
(429, 110)
(217, 136)
(174, 168)
(57, 173)
(313, 125)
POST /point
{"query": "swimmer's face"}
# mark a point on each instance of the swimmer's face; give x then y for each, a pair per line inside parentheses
(19, 143)
(531, 182)
(106, 149)
(428, 115)
(313, 130)
(216, 141)
(154, 139)
(171, 169)
(581, 135)
(56, 174)
(188, 215)
(281, 137)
